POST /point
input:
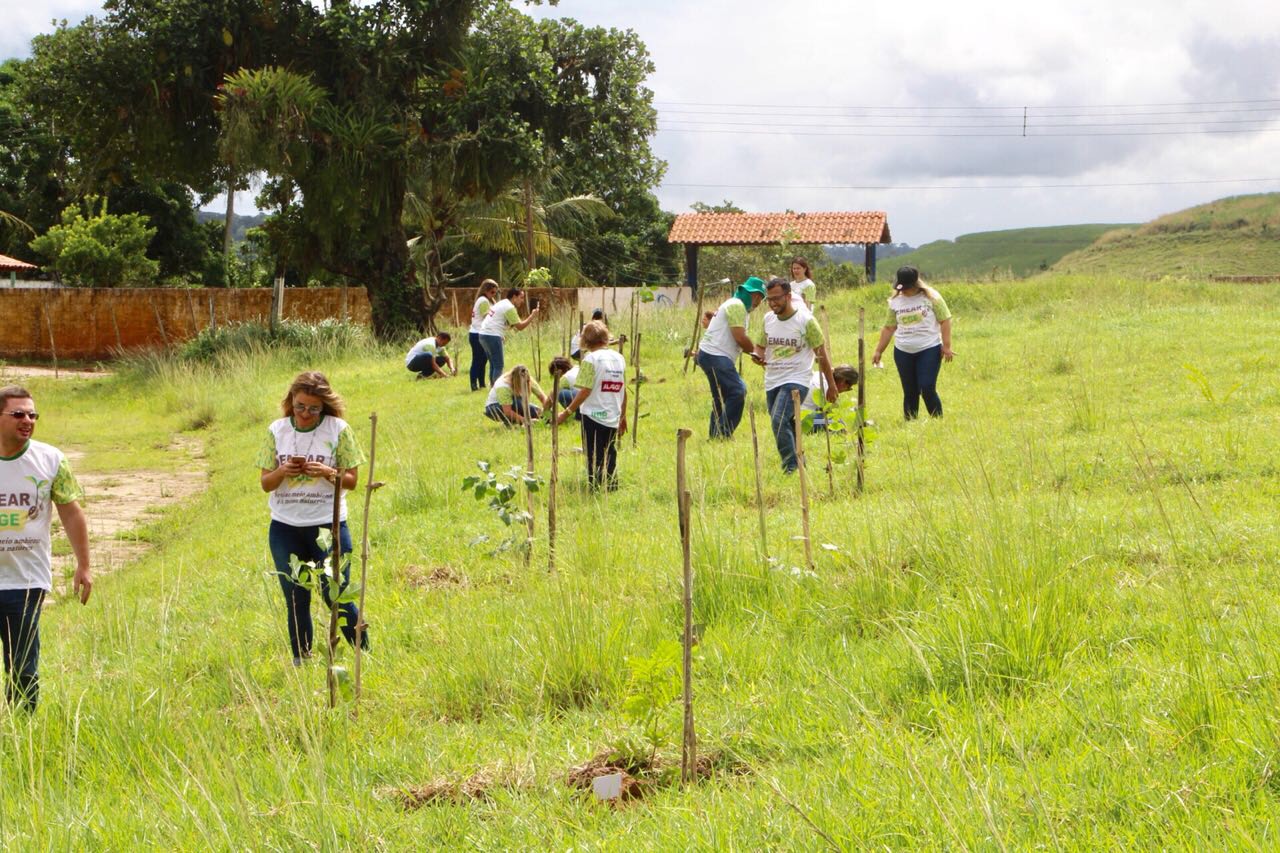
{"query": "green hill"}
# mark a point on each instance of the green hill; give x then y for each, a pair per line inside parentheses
(1239, 235)
(1001, 254)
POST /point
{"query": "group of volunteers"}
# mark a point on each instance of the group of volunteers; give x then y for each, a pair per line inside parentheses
(310, 446)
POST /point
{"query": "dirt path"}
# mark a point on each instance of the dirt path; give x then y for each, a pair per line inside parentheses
(16, 372)
(119, 502)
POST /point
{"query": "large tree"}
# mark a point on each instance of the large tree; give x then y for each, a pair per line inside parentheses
(140, 87)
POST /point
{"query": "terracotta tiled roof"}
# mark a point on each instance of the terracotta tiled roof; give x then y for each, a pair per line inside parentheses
(8, 264)
(739, 229)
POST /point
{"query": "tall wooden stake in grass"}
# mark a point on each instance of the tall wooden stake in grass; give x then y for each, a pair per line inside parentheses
(862, 396)
(697, 325)
(335, 587)
(53, 346)
(689, 750)
(554, 476)
(635, 421)
(537, 347)
(528, 440)
(370, 487)
(831, 359)
(804, 481)
(755, 458)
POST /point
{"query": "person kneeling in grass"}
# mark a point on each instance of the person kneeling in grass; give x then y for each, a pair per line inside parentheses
(428, 358)
(602, 400)
(506, 405)
(846, 376)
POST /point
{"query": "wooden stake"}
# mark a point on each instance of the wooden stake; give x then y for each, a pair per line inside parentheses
(53, 347)
(370, 487)
(554, 476)
(804, 483)
(213, 316)
(697, 327)
(116, 325)
(831, 359)
(689, 750)
(159, 322)
(862, 396)
(191, 308)
(635, 422)
(755, 458)
(528, 438)
(335, 587)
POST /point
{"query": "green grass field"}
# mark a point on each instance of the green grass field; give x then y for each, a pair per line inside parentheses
(1051, 621)
(987, 255)
(1230, 236)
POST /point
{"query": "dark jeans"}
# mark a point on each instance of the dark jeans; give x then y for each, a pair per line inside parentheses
(566, 397)
(782, 418)
(600, 443)
(421, 363)
(479, 358)
(494, 412)
(492, 346)
(285, 540)
(728, 393)
(919, 374)
(20, 632)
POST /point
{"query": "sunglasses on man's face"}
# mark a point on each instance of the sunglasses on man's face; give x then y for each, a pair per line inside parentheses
(17, 416)
(299, 408)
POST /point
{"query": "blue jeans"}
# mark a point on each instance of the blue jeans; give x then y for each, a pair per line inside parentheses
(479, 358)
(728, 393)
(566, 397)
(492, 345)
(494, 411)
(285, 540)
(20, 633)
(782, 418)
(919, 374)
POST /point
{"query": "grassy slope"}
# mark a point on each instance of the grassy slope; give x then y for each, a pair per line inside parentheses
(1231, 236)
(1018, 252)
(1051, 620)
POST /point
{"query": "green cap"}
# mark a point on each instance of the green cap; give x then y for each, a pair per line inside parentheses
(748, 287)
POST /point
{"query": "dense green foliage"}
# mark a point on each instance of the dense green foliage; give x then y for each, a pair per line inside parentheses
(988, 255)
(1050, 621)
(1230, 236)
(95, 248)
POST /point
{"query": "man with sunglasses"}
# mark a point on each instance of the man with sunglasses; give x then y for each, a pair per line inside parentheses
(34, 480)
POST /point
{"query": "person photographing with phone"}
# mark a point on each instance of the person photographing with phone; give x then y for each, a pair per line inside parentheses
(299, 463)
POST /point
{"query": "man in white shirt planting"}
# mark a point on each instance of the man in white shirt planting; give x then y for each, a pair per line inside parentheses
(35, 479)
(786, 344)
(720, 347)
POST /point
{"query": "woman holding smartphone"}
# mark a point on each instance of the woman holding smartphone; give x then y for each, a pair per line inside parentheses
(299, 461)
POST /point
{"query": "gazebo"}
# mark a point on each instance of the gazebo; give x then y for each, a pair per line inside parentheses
(867, 228)
(13, 266)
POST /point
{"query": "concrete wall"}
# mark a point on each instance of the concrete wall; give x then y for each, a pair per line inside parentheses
(97, 323)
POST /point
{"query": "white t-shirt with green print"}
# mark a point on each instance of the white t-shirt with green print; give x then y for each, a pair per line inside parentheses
(503, 394)
(719, 339)
(500, 316)
(604, 373)
(789, 346)
(304, 501)
(30, 484)
(919, 321)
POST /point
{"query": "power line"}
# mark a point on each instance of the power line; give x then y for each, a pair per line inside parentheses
(975, 107)
(1012, 135)
(865, 187)
(1015, 113)
(1014, 126)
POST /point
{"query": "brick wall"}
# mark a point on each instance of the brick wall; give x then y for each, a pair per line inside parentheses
(92, 323)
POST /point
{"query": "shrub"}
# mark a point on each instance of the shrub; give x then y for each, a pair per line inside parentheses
(99, 249)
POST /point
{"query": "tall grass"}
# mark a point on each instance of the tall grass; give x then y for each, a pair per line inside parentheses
(1049, 621)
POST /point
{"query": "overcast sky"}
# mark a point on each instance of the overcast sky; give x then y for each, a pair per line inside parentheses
(824, 105)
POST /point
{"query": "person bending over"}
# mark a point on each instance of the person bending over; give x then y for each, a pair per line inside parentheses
(429, 359)
(506, 403)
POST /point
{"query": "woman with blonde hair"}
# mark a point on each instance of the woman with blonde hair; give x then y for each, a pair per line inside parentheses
(486, 295)
(506, 403)
(919, 324)
(299, 461)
